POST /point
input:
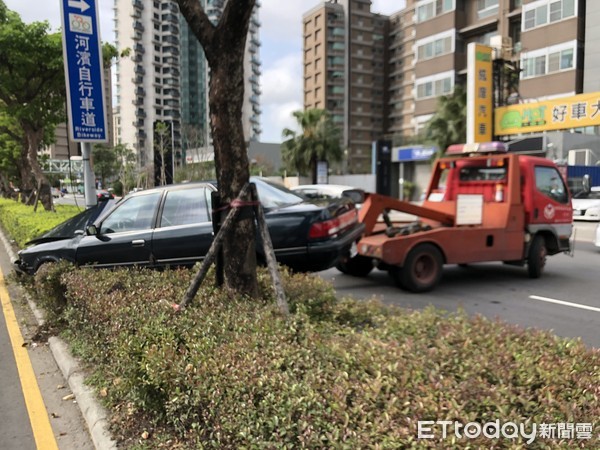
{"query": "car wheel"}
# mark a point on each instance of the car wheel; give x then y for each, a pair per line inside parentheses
(358, 266)
(536, 261)
(422, 269)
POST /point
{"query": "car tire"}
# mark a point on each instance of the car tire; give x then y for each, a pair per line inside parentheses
(358, 266)
(536, 260)
(422, 269)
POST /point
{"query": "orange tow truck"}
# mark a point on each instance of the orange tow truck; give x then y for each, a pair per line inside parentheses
(482, 204)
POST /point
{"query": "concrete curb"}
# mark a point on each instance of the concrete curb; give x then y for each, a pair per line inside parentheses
(94, 414)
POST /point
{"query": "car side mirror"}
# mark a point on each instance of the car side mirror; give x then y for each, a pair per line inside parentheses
(586, 183)
(92, 230)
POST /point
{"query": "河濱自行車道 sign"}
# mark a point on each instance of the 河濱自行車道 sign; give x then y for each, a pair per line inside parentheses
(83, 70)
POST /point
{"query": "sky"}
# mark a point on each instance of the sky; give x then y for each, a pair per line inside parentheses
(280, 52)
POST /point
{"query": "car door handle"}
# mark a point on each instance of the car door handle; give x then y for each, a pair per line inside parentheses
(138, 243)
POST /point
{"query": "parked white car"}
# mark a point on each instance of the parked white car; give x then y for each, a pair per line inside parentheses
(329, 192)
(586, 206)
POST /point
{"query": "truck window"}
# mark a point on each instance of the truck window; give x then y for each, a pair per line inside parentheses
(549, 182)
(482, 173)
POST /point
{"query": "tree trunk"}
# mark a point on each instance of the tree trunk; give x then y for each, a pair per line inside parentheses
(26, 187)
(33, 138)
(233, 170)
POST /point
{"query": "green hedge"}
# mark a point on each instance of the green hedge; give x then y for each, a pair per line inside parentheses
(24, 224)
(231, 373)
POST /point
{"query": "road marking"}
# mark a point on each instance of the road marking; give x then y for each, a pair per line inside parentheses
(562, 302)
(38, 415)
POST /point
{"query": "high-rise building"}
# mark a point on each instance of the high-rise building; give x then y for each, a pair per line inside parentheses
(382, 76)
(165, 79)
(345, 72)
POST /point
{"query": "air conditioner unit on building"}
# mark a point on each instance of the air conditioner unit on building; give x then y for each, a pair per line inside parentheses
(502, 46)
(580, 157)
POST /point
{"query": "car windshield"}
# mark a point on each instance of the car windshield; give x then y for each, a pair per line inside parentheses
(273, 195)
(593, 195)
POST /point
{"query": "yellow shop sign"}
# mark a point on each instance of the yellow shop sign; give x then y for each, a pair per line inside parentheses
(578, 111)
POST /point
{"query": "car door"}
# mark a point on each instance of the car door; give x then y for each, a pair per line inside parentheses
(184, 231)
(124, 237)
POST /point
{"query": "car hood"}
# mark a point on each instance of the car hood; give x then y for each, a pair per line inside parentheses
(75, 225)
(44, 240)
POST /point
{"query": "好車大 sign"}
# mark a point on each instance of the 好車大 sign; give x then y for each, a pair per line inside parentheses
(577, 111)
(83, 70)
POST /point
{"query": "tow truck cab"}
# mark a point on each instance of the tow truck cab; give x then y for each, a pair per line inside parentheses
(482, 204)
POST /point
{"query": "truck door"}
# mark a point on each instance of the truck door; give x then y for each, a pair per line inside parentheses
(551, 201)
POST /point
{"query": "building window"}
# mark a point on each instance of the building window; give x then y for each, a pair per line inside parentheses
(487, 8)
(434, 46)
(432, 8)
(434, 86)
(543, 12)
(549, 60)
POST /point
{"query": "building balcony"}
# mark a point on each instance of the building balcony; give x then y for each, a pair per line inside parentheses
(172, 18)
(254, 40)
(138, 26)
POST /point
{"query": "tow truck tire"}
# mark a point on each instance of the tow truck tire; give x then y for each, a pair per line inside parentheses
(358, 266)
(422, 269)
(536, 261)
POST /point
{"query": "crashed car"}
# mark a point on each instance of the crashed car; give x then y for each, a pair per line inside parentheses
(56, 244)
(171, 226)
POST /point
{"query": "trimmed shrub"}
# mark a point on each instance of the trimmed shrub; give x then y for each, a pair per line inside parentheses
(24, 224)
(49, 290)
(233, 373)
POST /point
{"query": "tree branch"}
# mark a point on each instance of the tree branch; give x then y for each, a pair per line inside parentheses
(200, 25)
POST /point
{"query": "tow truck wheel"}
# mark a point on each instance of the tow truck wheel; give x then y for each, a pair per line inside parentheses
(358, 266)
(536, 261)
(422, 269)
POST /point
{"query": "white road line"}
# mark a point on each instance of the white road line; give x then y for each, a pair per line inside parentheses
(562, 302)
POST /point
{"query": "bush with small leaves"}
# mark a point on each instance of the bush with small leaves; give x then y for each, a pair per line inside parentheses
(230, 372)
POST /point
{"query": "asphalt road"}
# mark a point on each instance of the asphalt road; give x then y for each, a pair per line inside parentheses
(565, 299)
(37, 412)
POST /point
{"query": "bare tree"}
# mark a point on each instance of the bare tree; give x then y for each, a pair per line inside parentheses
(224, 46)
(162, 141)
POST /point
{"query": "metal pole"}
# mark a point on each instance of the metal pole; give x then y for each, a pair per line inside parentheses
(88, 176)
(401, 181)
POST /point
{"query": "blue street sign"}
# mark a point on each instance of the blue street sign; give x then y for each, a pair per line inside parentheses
(82, 52)
(418, 153)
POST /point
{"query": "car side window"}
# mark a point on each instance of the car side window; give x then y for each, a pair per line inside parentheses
(550, 183)
(184, 207)
(136, 213)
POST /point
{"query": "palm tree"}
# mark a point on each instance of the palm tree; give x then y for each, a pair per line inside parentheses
(318, 140)
(449, 124)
